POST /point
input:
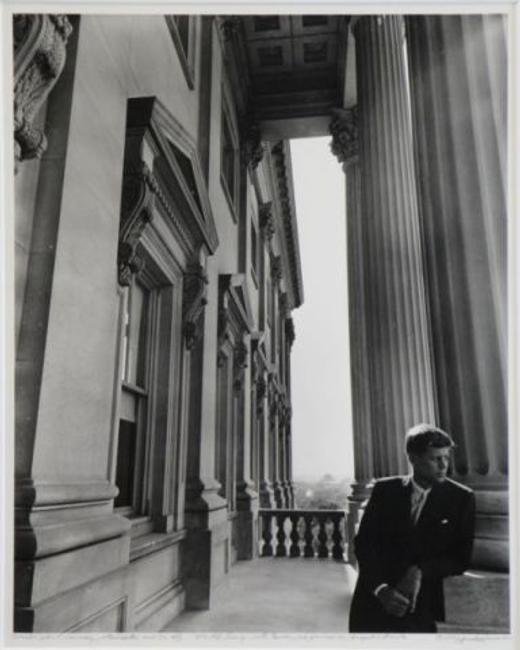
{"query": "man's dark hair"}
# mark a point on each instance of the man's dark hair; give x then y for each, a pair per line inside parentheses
(423, 436)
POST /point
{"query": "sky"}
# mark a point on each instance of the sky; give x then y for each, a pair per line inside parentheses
(320, 379)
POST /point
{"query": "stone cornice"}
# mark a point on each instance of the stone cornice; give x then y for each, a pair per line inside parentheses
(282, 176)
(344, 130)
(39, 57)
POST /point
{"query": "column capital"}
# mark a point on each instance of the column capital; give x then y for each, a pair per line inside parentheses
(344, 130)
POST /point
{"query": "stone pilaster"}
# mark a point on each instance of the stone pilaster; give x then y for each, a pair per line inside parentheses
(459, 104)
(394, 313)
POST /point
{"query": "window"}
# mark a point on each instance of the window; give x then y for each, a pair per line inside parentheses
(152, 406)
(182, 30)
(133, 398)
(229, 159)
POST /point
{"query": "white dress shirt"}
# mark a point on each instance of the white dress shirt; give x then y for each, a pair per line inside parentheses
(419, 495)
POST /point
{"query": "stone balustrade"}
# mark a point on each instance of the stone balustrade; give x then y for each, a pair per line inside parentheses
(302, 533)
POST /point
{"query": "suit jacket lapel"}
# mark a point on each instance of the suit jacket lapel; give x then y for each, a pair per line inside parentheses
(432, 506)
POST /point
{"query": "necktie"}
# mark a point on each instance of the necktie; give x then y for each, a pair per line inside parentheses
(418, 499)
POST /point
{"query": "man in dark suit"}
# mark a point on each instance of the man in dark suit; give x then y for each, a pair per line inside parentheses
(415, 531)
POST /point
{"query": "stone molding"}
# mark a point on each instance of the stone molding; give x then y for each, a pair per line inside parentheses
(40, 50)
(194, 299)
(344, 130)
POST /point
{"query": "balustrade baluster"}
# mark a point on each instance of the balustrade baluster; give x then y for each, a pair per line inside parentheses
(281, 550)
(267, 550)
(337, 537)
(308, 550)
(323, 551)
(294, 551)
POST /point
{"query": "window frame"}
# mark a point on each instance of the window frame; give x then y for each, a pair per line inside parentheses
(228, 121)
(186, 57)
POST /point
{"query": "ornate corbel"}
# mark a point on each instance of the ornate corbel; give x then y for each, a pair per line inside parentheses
(252, 148)
(344, 131)
(266, 218)
(39, 57)
(240, 353)
(136, 211)
(289, 331)
(261, 394)
(276, 268)
(193, 302)
(223, 331)
(229, 26)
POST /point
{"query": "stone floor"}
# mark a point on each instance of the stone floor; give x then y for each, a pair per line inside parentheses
(276, 595)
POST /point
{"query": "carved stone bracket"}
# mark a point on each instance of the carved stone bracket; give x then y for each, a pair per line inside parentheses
(240, 354)
(344, 131)
(252, 147)
(193, 302)
(136, 211)
(39, 57)
(261, 394)
(276, 268)
(266, 220)
(229, 26)
(289, 331)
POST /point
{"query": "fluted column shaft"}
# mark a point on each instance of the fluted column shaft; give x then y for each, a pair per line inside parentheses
(458, 85)
(458, 80)
(397, 335)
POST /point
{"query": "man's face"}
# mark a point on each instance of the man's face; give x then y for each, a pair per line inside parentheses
(431, 466)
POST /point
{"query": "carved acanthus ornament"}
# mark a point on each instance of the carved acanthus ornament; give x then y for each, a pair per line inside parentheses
(193, 302)
(266, 220)
(136, 211)
(252, 147)
(39, 57)
(344, 131)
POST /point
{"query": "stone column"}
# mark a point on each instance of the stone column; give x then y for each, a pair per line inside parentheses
(345, 146)
(458, 68)
(394, 313)
(265, 487)
(247, 498)
(289, 339)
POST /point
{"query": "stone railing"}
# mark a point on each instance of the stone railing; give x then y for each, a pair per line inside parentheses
(302, 533)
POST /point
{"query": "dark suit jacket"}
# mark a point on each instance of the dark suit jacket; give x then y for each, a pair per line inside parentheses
(387, 543)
